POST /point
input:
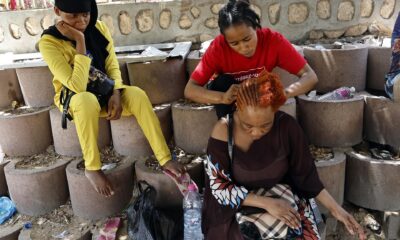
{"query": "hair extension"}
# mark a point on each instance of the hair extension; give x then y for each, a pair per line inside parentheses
(237, 12)
(262, 91)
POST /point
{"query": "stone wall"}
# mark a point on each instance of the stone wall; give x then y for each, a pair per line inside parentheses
(141, 23)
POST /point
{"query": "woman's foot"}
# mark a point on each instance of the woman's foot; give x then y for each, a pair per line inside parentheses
(100, 182)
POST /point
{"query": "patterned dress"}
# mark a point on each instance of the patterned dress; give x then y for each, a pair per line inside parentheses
(395, 60)
(281, 156)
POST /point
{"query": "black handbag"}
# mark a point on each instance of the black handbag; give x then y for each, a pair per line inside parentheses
(99, 84)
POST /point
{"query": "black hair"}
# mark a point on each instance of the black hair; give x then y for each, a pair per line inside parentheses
(237, 12)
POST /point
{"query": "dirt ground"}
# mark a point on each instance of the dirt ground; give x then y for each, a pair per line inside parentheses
(321, 154)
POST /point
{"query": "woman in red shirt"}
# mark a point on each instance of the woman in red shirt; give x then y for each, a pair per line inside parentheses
(241, 51)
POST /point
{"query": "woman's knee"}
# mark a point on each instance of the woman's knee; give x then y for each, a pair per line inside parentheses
(85, 100)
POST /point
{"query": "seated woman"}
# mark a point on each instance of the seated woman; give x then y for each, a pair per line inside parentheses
(392, 86)
(70, 48)
(241, 51)
(269, 148)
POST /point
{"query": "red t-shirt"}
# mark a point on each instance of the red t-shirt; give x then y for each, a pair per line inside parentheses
(273, 50)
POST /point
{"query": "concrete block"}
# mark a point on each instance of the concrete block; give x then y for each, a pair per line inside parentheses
(378, 66)
(163, 81)
(332, 175)
(66, 141)
(89, 204)
(37, 191)
(25, 134)
(372, 183)
(192, 126)
(337, 123)
(381, 122)
(36, 86)
(128, 137)
(336, 68)
(391, 225)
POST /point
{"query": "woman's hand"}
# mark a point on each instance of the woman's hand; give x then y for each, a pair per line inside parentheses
(175, 167)
(70, 32)
(114, 106)
(351, 224)
(230, 95)
(282, 210)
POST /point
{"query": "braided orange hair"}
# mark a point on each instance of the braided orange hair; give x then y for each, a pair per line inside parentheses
(262, 91)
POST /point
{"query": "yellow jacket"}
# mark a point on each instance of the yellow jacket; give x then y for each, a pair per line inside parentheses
(60, 56)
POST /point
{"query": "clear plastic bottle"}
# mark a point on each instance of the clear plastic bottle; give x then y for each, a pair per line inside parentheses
(192, 214)
(339, 94)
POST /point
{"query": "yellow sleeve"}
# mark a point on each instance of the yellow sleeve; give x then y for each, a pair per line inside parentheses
(75, 78)
(112, 65)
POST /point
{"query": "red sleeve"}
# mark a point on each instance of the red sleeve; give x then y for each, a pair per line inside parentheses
(208, 63)
(288, 58)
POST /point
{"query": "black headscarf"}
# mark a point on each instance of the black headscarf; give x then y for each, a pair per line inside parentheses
(95, 41)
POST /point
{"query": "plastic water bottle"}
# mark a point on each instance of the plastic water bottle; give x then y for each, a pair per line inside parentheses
(339, 94)
(192, 214)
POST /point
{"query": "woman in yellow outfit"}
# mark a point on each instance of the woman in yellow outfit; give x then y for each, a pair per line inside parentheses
(70, 48)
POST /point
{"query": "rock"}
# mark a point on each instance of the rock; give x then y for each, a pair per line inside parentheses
(15, 31)
(205, 37)
(333, 34)
(185, 22)
(298, 13)
(47, 21)
(324, 9)
(357, 30)
(367, 7)
(216, 7)
(32, 26)
(316, 34)
(165, 18)
(125, 23)
(145, 20)
(274, 13)
(108, 20)
(211, 23)
(387, 8)
(256, 9)
(346, 11)
(195, 11)
(1, 34)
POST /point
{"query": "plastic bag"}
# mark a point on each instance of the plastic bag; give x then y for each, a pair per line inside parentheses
(146, 222)
(7, 209)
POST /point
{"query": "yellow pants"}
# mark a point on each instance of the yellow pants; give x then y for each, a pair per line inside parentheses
(86, 111)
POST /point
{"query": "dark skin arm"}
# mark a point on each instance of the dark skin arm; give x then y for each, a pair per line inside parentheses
(308, 79)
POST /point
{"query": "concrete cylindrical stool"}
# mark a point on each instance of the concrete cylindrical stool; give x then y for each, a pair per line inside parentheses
(337, 123)
(378, 66)
(124, 70)
(192, 61)
(338, 67)
(3, 183)
(381, 122)
(192, 126)
(168, 194)
(11, 233)
(128, 137)
(289, 107)
(25, 134)
(332, 174)
(89, 204)
(66, 141)
(372, 183)
(9, 88)
(37, 191)
(163, 81)
(36, 85)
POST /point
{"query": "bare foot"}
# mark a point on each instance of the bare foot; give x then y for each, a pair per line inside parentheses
(100, 182)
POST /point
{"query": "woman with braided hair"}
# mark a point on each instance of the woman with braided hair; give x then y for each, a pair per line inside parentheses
(259, 157)
(241, 51)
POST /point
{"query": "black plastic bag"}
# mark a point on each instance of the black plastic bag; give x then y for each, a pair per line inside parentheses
(146, 222)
